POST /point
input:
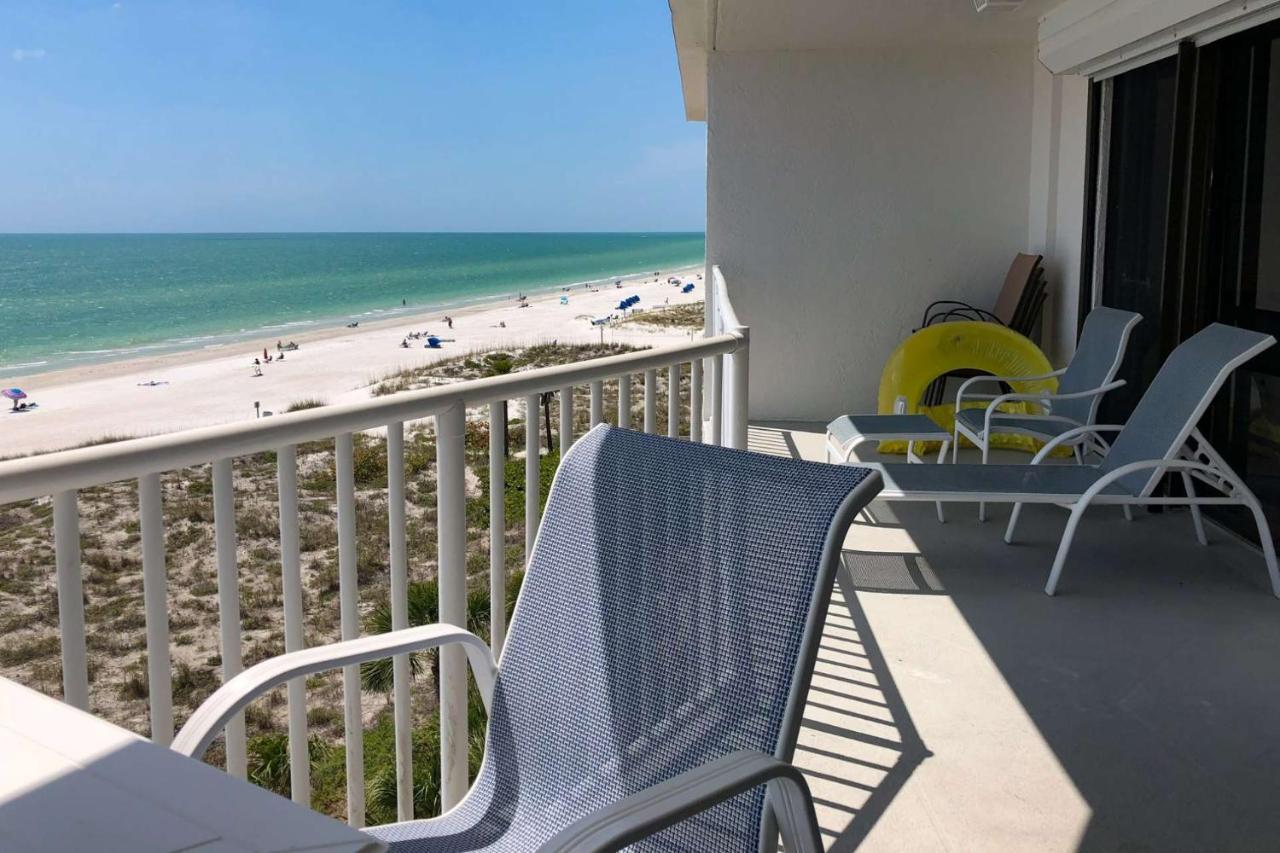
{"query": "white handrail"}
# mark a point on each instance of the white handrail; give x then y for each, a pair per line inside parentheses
(734, 385)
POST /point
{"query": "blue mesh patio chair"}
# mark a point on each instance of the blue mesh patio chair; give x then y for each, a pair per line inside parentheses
(652, 684)
(1160, 438)
(1081, 386)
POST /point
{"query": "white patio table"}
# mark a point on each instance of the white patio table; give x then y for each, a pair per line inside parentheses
(71, 781)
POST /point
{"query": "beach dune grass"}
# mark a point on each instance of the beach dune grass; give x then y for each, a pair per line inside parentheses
(305, 403)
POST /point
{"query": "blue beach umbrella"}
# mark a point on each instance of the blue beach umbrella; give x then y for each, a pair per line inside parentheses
(14, 394)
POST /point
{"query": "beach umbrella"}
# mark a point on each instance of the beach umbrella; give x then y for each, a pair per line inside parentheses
(14, 394)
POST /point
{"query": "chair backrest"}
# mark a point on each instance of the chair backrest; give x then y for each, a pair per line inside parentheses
(1176, 399)
(670, 615)
(1024, 271)
(1098, 355)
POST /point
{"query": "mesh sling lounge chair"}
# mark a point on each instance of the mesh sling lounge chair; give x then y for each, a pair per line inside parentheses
(665, 636)
(1017, 306)
(1160, 437)
(1081, 385)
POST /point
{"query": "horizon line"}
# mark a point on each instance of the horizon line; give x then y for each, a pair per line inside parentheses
(276, 233)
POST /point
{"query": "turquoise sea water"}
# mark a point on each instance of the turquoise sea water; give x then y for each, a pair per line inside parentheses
(71, 299)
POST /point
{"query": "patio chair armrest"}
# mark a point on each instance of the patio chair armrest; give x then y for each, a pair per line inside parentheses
(235, 694)
(997, 401)
(1086, 429)
(961, 394)
(668, 803)
(1211, 475)
(1080, 395)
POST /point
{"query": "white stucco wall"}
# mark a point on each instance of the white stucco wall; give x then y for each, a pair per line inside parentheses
(1059, 144)
(848, 189)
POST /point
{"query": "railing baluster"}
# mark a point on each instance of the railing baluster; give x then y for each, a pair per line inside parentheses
(624, 401)
(597, 402)
(739, 371)
(399, 619)
(155, 604)
(497, 526)
(66, 549)
(224, 538)
(566, 419)
(673, 400)
(451, 519)
(532, 473)
(695, 400)
(717, 400)
(651, 400)
(348, 601)
(291, 592)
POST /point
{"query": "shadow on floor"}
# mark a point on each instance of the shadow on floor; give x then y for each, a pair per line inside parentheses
(1134, 711)
(857, 745)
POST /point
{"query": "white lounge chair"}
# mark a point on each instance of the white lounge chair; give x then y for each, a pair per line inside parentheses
(1160, 437)
(653, 682)
(1081, 386)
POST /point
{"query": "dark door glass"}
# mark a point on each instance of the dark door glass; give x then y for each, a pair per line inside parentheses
(1245, 425)
(1137, 208)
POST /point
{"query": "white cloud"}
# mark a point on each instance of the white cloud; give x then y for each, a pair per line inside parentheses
(116, 7)
(23, 54)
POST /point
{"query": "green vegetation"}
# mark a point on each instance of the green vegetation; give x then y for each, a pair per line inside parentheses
(691, 315)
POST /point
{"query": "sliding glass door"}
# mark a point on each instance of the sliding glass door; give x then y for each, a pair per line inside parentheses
(1134, 218)
(1187, 226)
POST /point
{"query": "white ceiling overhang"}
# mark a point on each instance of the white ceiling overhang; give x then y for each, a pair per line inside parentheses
(703, 26)
(1101, 37)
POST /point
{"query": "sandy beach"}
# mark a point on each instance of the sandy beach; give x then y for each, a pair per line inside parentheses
(217, 385)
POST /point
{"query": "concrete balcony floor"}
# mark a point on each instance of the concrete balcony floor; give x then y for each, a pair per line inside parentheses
(957, 707)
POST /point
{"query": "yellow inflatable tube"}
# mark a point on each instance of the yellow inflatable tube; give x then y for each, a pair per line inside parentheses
(966, 345)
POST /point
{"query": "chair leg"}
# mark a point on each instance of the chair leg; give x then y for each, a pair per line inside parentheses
(1079, 455)
(1196, 521)
(1064, 547)
(986, 447)
(1264, 536)
(942, 457)
(1013, 523)
(1128, 512)
(955, 446)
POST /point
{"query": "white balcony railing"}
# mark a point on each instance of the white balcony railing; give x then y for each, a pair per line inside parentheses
(724, 320)
(63, 474)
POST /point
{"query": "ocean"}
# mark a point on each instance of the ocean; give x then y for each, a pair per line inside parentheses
(67, 300)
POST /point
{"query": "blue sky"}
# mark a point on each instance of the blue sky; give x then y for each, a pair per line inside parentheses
(211, 115)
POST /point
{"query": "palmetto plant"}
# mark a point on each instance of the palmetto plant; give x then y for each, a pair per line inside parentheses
(424, 607)
(500, 364)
